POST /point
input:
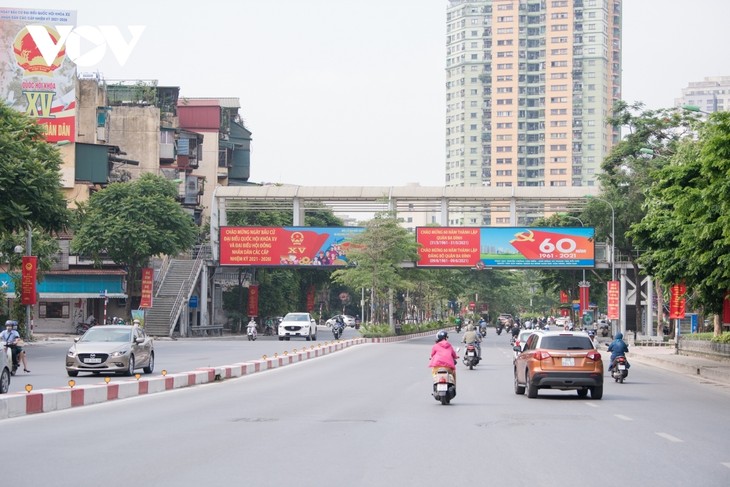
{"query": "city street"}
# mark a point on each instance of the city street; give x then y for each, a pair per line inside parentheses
(365, 417)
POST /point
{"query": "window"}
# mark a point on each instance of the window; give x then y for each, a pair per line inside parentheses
(504, 172)
(505, 66)
(51, 309)
(507, 18)
(507, 101)
(559, 27)
(506, 77)
(504, 89)
(505, 31)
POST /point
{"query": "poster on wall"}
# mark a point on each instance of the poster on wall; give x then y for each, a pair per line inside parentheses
(506, 247)
(286, 246)
(38, 78)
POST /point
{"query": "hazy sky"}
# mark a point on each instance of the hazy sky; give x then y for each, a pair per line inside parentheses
(351, 92)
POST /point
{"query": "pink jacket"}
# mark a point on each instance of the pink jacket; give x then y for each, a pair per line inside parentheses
(443, 355)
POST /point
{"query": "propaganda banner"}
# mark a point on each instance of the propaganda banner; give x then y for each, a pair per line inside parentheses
(45, 91)
(286, 246)
(677, 302)
(28, 280)
(613, 295)
(148, 282)
(253, 300)
(564, 297)
(584, 298)
(505, 247)
(726, 309)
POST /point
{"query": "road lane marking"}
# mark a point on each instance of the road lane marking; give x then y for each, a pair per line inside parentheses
(669, 437)
(621, 416)
(727, 464)
(591, 404)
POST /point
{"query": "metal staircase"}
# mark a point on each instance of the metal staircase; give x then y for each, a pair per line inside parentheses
(178, 277)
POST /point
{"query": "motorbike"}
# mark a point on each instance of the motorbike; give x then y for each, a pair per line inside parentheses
(458, 327)
(8, 350)
(471, 356)
(444, 384)
(483, 330)
(620, 369)
(337, 330)
(251, 332)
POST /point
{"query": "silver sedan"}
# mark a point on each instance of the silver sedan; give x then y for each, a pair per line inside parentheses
(111, 348)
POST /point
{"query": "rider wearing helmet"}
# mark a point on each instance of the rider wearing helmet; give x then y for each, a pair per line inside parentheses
(443, 354)
(11, 338)
(472, 337)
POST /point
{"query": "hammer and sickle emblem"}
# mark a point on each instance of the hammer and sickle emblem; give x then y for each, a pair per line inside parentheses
(527, 236)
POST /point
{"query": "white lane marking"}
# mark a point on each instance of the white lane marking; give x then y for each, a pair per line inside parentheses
(669, 437)
(621, 416)
(593, 405)
(727, 464)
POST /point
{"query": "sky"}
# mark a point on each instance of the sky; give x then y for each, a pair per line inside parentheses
(352, 92)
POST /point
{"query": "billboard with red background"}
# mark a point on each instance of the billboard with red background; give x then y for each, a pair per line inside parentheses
(286, 246)
(506, 247)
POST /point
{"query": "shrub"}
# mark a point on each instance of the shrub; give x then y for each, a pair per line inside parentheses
(724, 338)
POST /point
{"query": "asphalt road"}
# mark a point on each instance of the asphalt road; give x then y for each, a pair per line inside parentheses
(364, 417)
(46, 359)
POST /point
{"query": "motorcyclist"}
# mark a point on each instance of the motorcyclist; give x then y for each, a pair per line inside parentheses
(443, 354)
(458, 322)
(472, 337)
(11, 338)
(251, 328)
(618, 348)
(339, 324)
(483, 327)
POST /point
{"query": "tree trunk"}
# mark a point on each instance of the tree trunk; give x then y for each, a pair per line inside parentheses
(717, 319)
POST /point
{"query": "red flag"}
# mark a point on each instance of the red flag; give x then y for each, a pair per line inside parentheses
(28, 280)
(563, 297)
(613, 300)
(677, 302)
(253, 300)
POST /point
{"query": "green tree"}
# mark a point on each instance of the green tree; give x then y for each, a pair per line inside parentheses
(685, 230)
(30, 178)
(31, 199)
(378, 252)
(653, 137)
(130, 222)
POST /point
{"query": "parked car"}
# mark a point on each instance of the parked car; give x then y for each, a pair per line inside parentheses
(349, 320)
(5, 366)
(298, 325)
(561, 360)
(119, 349)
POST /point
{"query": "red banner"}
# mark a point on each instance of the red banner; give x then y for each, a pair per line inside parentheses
(613, 293)
(448, 247)
(585, 300)
(28, 280)
(564, 297)
(726, 309)
(677, 302)
(253, 300)
(148, 282)
(310, 298)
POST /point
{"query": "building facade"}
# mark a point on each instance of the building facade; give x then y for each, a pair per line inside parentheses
(529, 85)
(710, 95)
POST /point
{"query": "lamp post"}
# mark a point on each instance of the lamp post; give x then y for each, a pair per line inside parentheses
(28, 252)
(613, 236)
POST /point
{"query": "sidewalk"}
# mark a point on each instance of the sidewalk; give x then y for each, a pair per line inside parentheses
(667, 358)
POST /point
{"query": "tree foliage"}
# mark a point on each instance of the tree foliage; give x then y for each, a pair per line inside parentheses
(687, 222)
(378, 253)
(30, 178)
(130, 222)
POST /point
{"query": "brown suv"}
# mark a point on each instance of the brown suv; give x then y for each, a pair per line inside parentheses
(561, 360)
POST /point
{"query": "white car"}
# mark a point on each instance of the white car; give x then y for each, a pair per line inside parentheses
(5, 365)
(349, 320)
(298, 325)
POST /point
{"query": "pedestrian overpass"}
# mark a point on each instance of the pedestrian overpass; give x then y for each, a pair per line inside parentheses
(520, 203)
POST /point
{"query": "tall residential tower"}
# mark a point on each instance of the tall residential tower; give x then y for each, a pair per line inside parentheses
(529, 85)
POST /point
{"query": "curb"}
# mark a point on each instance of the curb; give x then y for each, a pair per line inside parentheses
(46, 400)
(717, 373)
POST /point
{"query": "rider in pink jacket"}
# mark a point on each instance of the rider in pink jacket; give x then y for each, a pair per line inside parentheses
(442, 353)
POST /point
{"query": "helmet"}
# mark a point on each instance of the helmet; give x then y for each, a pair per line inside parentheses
(136, 322)
(442, 335)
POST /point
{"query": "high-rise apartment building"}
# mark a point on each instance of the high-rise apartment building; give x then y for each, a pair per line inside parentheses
(529, 85)
(710, 95)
